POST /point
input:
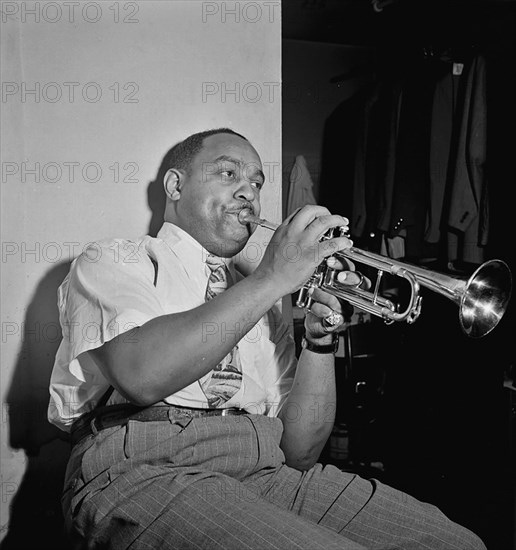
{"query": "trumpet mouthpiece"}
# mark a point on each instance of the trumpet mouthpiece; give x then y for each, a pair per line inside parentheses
(245, 216)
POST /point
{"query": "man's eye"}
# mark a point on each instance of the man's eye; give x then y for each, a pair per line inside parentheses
(257, 184)
(228, 173)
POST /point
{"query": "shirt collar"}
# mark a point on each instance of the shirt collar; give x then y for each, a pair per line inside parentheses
(186, 247)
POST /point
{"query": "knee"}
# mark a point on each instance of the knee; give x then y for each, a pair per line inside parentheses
(471, 541)
(478, 544)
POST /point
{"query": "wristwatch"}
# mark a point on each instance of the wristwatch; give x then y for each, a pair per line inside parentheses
(326, 348)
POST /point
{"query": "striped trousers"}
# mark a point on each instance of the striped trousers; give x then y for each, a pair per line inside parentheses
(220, 483)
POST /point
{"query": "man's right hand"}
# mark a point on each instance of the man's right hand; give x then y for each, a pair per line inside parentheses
(296, 248)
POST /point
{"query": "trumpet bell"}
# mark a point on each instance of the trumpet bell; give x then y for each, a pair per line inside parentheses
(485, 298)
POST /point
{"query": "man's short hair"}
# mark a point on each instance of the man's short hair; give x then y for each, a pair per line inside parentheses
(182, 154)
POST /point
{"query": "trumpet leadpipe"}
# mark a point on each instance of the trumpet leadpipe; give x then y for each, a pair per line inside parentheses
(245, 217)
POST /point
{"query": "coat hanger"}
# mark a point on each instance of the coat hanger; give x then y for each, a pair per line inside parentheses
(456, 53)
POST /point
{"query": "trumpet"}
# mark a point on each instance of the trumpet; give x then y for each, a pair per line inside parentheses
(482, 298)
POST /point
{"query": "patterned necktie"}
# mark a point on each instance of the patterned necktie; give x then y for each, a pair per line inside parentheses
(225, 379)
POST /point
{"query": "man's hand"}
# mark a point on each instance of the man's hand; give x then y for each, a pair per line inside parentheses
(297, 248)
(323, 317)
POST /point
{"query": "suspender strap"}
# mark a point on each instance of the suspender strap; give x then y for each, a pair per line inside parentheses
(105, 397)
(155, 264)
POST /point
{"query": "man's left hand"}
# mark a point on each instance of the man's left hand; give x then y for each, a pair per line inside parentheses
(327, 313)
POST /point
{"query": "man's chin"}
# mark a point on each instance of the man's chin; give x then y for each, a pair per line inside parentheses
(236, 245)
(232, 245)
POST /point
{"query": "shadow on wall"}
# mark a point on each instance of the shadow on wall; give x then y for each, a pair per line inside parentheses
(36, 519)
(36, 508)
(156, 195)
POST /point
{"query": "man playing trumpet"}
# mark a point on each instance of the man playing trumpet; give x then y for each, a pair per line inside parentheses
(193, 424)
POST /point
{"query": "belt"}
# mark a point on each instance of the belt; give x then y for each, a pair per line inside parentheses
(119, 415)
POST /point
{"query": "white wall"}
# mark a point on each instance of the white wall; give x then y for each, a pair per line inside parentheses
(139, 85)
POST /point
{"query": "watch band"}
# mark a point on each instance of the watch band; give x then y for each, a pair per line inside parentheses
(326, 348)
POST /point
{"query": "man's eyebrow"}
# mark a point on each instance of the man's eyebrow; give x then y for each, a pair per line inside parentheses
(228, 159)
(238, 162)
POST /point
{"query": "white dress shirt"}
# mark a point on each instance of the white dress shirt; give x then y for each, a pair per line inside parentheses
(110, 289)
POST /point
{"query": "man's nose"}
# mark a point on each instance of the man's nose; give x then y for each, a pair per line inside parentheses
(245, 190)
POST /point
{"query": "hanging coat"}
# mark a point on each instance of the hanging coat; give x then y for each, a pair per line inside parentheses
(469, 202)
(300, 191)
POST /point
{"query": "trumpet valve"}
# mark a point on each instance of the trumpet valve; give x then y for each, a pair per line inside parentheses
(304, 301)
(328, 235)
(342, 232)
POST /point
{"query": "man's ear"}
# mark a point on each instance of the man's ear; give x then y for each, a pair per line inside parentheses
(172, 183)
